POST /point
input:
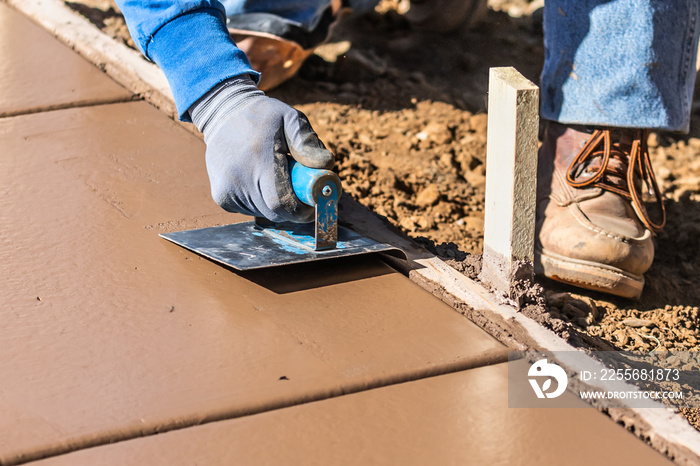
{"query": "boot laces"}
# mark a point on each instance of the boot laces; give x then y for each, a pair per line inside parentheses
(619, 168)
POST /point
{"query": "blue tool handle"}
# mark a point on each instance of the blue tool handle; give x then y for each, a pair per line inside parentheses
(308, 183)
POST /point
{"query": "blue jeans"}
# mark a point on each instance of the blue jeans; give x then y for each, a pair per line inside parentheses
(625, 63)
(304, 13)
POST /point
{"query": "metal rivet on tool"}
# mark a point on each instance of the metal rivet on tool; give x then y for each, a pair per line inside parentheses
(326, 191)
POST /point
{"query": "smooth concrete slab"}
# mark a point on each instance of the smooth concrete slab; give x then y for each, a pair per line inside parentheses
(456, 419)
(39, 73)
(110, 332)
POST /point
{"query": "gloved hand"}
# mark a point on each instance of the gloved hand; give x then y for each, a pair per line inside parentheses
(249, 138)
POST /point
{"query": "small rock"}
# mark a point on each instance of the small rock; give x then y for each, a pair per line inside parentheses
(573, 311)
(407, 224)
(446, 159)
(653, 140)
(442, 210)
(557, 299)
(637, 323)
(479, 122)
(663, 173)
(475, 179)
(640, 343)
(380, 133)
(593, 307)
(692, 183)
(694, 143)
(384, 211)
(331, 51)
(429, 196)
(437, 132)
(473, 223)
(386, 179)
(621, 337)
(365, 140)
(424, 223)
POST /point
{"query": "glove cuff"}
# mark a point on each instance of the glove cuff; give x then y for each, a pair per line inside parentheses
(222, 100)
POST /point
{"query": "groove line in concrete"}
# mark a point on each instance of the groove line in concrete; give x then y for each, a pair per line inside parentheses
(486, 358)
(124, 65)
(68, 105)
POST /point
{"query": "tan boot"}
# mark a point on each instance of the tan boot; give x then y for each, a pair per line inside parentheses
(593, 230)
(275, 58)
(277, 47)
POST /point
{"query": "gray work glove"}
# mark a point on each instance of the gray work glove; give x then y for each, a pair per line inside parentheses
(249, 138)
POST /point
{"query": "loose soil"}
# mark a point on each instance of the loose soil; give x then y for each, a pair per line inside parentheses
(405, 113)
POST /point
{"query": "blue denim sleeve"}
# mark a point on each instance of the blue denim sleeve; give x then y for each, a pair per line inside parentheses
(189, 41)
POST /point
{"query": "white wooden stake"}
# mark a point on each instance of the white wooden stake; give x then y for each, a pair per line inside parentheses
(511, 180)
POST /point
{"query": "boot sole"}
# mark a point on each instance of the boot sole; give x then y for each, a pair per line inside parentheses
(589, 275)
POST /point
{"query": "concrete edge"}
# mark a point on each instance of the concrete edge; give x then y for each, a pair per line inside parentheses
(662, 428)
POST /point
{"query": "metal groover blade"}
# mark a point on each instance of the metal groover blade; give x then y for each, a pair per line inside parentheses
(326, 217)
(260, 244)
(247, 246)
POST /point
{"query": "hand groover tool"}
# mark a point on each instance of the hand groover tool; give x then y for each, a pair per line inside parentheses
(261, 243)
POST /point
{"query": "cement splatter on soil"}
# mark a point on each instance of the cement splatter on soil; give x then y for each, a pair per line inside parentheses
(404, 111)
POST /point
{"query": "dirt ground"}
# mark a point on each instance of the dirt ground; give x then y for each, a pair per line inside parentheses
(404, 112)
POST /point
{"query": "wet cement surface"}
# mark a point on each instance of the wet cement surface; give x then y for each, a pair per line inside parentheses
(39, 73)
(457, 419)
(112, 332)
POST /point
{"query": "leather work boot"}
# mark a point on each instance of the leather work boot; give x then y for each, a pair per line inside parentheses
(275, 46)
(593, 230)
